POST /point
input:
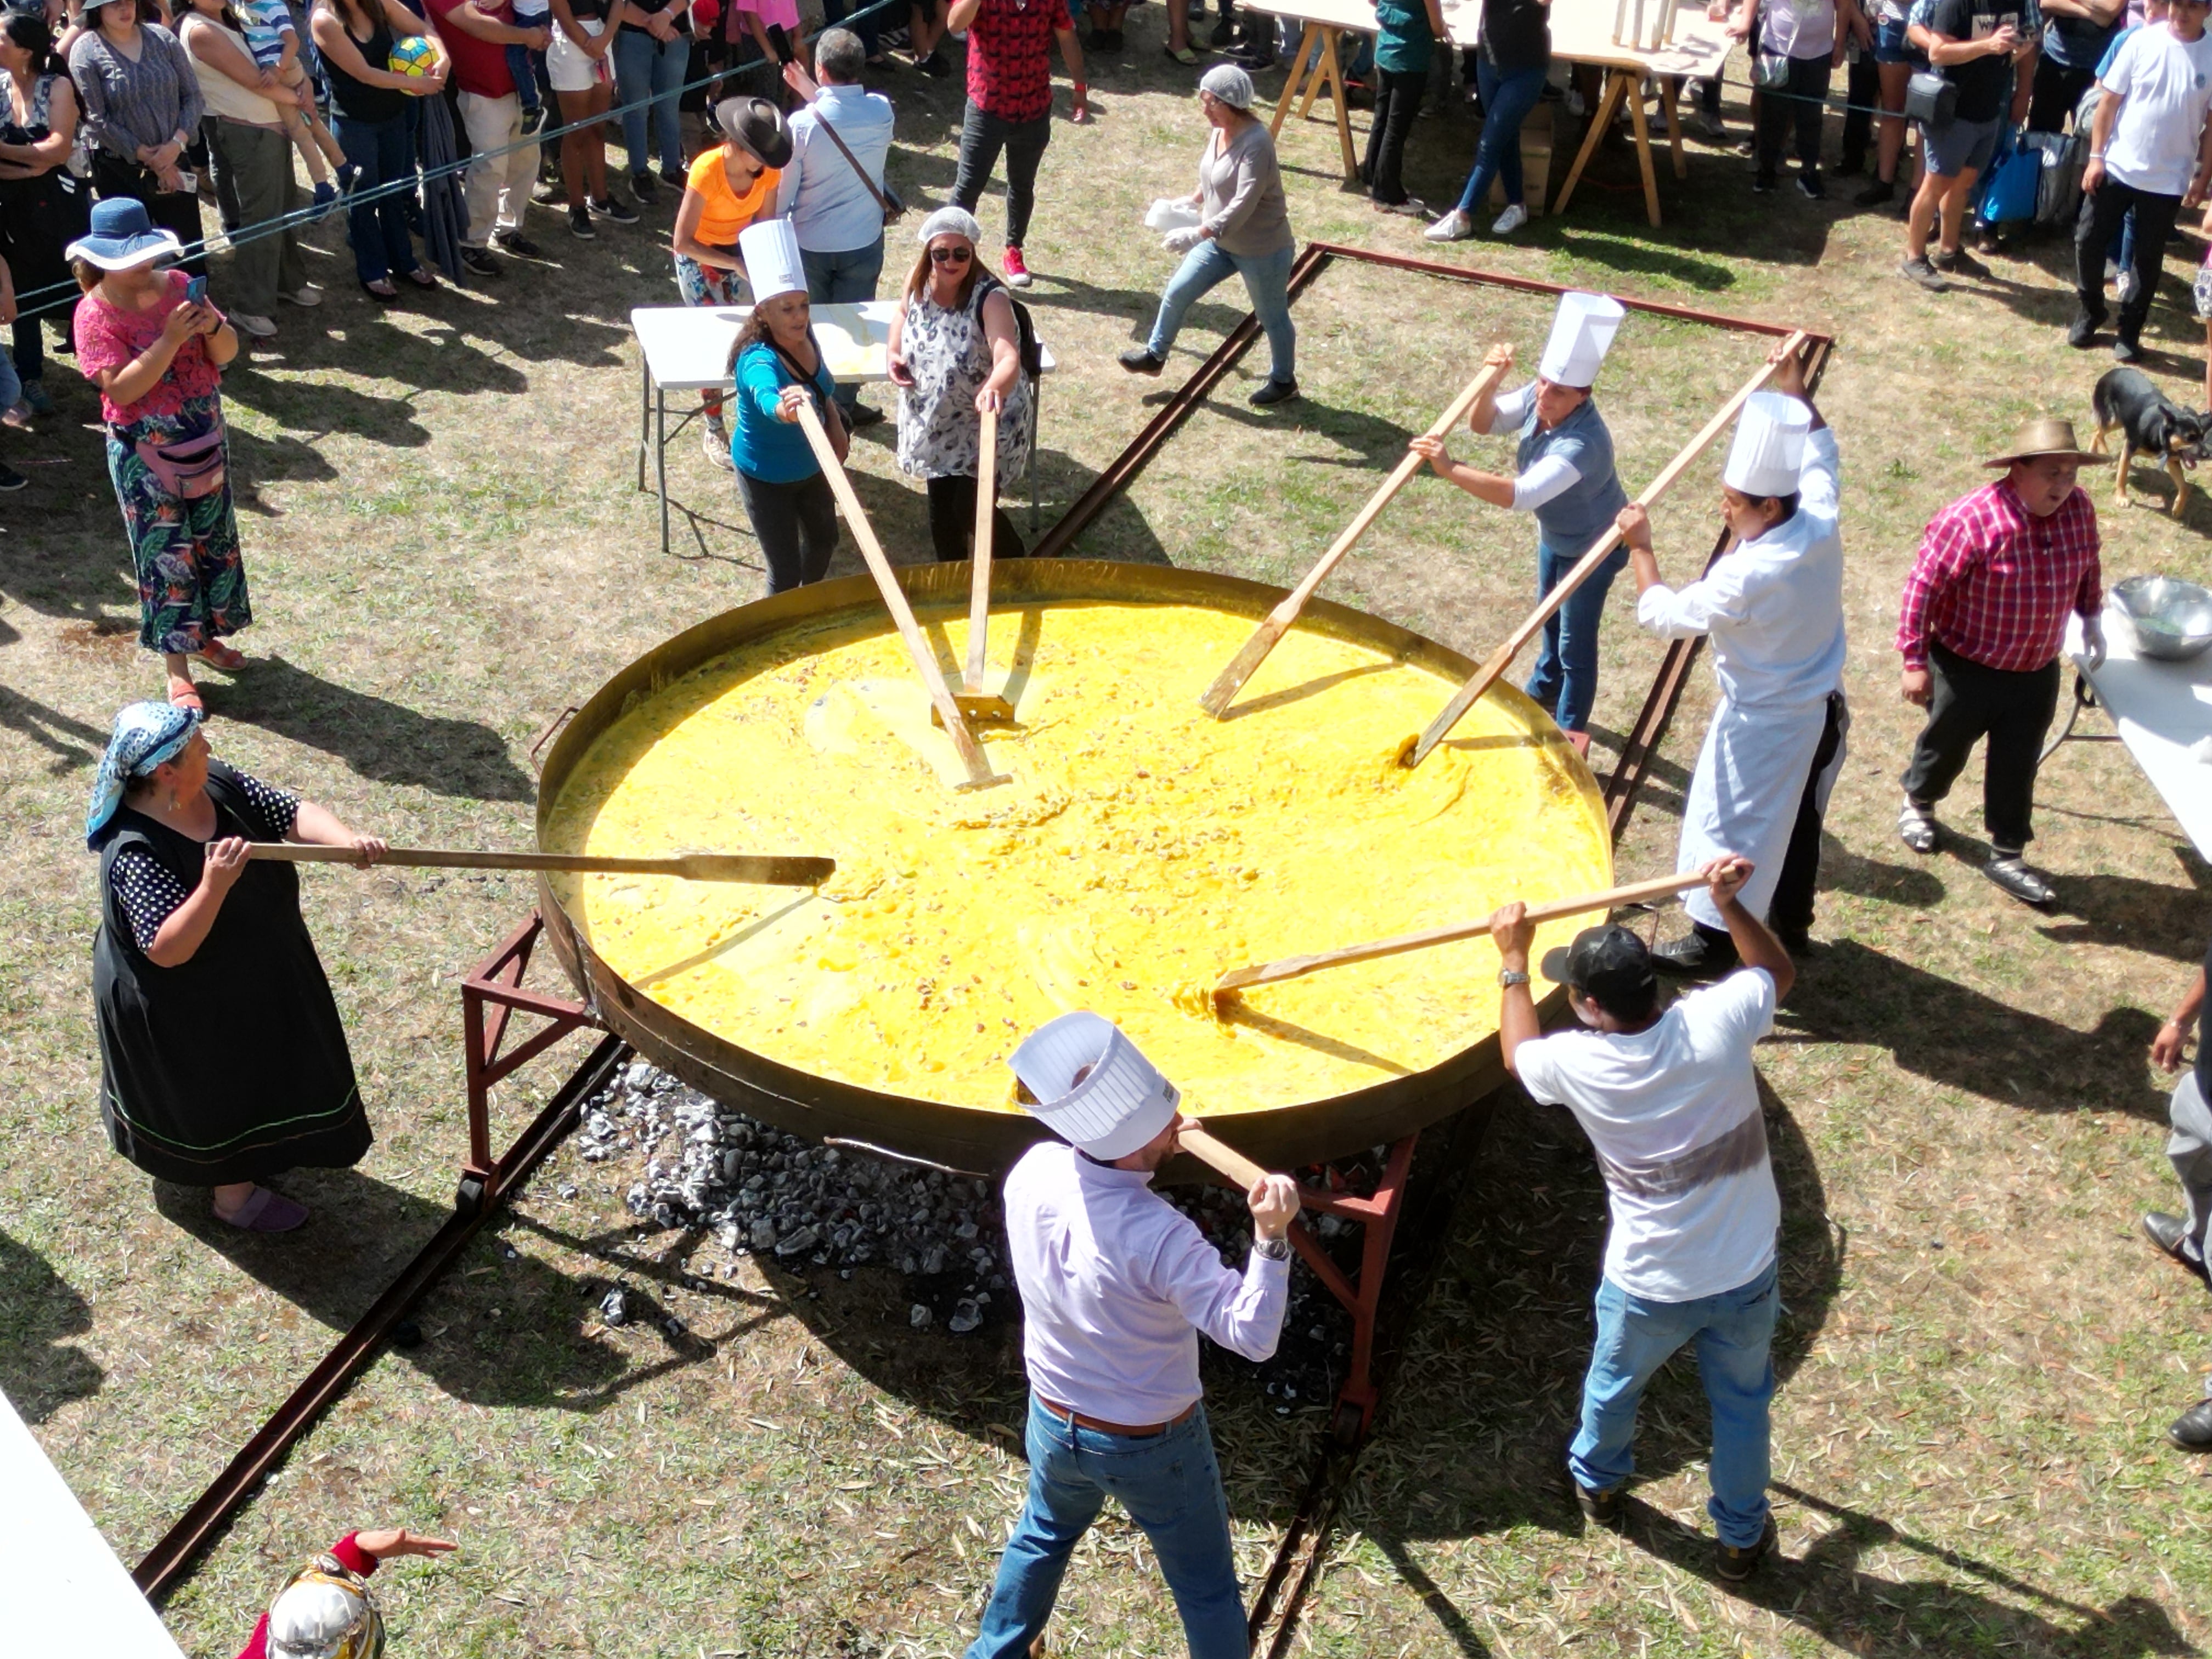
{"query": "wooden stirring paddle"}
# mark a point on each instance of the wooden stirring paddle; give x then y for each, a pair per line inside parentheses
(769, 870)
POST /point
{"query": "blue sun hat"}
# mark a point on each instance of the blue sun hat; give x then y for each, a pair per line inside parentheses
(146, 734)
(123, 238)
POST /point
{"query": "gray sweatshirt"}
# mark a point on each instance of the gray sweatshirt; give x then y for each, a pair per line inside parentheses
(1241, 191)
(128, 104)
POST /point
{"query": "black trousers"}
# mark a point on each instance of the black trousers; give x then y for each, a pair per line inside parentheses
(2057, 92)
(982, 135)
(1397, 102)
(175, 210)
(1801, 103)
(952, 522)
(1790, 909)
(2014, 711)
(2093, 231)
(797, 524)
(1863, 94)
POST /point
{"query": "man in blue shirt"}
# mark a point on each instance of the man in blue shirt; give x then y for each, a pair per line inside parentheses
(836, 204)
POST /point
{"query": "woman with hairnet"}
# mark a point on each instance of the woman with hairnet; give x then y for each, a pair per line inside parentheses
(1243, 227)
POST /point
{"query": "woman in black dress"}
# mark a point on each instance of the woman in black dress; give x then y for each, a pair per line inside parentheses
(224, 1060)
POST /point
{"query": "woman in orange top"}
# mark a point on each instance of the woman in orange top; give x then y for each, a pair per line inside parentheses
(730, 186)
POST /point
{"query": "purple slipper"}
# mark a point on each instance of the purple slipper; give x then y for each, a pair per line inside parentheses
(266, 1212)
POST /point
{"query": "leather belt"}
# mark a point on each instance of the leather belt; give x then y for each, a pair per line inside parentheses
(1131, 1431)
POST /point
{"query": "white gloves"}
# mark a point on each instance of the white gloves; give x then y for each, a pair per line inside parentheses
(2093, 640)
(1181, 241)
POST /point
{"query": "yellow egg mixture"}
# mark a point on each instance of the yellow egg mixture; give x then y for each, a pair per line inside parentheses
(1142, 849)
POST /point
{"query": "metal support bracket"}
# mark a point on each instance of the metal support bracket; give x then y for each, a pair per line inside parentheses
(1378, 1213)
(490, 995)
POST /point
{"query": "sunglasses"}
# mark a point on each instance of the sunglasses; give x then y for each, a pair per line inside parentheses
(951, 255)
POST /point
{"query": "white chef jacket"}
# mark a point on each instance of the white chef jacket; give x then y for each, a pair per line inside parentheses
(1774, 611)
(1116, 1283)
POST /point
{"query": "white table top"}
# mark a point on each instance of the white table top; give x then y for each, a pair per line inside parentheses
(2161, 708)
(687, 348)
(1582, 30)
(62, 1591)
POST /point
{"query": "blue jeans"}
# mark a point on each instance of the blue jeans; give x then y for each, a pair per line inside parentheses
(646, 68)
(1565, 679)
(1266, 279)
(378, 228)
(1172, 1487)
(1506, 101)
(1734, 1333)
(843, 279)
(11, 384)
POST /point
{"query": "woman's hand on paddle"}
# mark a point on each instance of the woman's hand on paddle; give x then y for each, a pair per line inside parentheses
(1634, 522)
(1273, 1201)
(1498, 357)
(989, 400)
(370, 848)
(224, 863)
(388, 1542)
(1790, 369)
(789, 401)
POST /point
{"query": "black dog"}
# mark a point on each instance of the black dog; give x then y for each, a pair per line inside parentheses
(2152, 424)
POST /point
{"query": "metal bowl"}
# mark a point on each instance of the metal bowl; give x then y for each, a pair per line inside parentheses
(2171, 619)
(964, 1139)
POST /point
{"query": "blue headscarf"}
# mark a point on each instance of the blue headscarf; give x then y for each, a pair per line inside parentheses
(146, 734)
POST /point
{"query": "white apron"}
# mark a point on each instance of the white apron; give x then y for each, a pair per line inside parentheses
(1744, 795)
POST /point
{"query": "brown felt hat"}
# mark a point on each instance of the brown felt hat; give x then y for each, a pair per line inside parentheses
(2045, 435)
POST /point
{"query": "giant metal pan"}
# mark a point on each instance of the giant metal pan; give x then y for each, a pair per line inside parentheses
(964, 1137)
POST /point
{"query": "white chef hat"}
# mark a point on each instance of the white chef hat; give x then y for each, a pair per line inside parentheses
(769, 248)
(1582, 333)
(1121, 1101)
(1769, 451)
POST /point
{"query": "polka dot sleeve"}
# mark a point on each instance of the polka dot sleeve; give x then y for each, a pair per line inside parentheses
(279, 811)
(148, 893)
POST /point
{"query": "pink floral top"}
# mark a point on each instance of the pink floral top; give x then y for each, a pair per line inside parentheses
(109, 338)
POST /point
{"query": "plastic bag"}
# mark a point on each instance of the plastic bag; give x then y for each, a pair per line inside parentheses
(1166, 213)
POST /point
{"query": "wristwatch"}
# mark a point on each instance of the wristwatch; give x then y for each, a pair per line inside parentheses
(1275, 1249)
(1510, 976)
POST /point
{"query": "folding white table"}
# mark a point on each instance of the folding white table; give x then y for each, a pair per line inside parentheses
(686, 348)
(2162, 710)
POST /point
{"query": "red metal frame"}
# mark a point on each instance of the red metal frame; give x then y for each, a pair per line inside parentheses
(1378, 1214)
(492, 992)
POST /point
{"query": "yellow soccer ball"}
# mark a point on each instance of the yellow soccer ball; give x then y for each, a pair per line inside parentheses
(411, 56)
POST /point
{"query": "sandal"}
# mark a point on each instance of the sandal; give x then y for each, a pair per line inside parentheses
(183, 693)
(1186, 56)
(216, 655)
(265, 1212)
(422, 278)
(380, 290)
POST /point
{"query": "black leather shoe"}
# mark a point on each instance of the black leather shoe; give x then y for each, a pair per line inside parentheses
(1735, 1564)
(2083, 333)
(1273, 393)
(2193, 1430)
(1698, 954)
(1599, 1509)
(2168, 1232)
(1140, 360)
(2008, 872)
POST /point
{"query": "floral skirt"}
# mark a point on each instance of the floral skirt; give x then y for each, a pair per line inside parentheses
(708, 285)
(192, 575)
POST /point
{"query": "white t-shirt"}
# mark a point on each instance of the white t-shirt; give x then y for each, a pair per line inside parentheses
(1797, 28)
(1673, 1114)
(2167, 84)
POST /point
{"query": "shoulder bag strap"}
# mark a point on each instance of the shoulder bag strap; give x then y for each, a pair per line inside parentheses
(891, 213)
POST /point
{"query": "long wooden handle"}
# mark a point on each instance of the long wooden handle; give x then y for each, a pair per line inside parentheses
(1269, 972)
(979, 595)
(978, 764)
(767, 869)
(1501, 659)
(1227, 684)
(1223, 1157)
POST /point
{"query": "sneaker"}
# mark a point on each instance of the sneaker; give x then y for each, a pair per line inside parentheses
(1762, 184)
(532, 119)
(643, 187)
(550, 192)
(1141, 360)
(326, 198)
(2193, 1430)
(1919, 271)
(1454, 227)
(17, 415)
(615, 208)
(1959, 262)
(675, 179)
(1702, 953)
(934, 65)
(1274, 391)
(261, 328)
(514, 242)
(1880, 193)
(1599, 1508)
(580, 224)
(36, 395)
(1511, 219)
(2126, 351)
(11, 479)
(716, 442)
(1809, 185)
(2081, 334)
(347, 173)
(479, 262)
(306, 296)
(1735, 1564)
(2010, 873)
(1917, 827)
(1017, 274)
(1710, 125)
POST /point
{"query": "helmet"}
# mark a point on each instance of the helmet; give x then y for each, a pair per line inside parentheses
(325, 1612)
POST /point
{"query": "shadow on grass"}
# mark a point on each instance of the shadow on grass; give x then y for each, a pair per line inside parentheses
(70, 742)
(39, 1312)
(384, 741)
(1961, 1039)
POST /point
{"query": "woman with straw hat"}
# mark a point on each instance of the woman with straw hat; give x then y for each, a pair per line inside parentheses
(728, 188)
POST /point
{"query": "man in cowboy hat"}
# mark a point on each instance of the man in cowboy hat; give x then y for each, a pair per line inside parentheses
(1116, 1284)
(1980, 630)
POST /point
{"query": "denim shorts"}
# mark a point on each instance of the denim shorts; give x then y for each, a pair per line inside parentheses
(1890, 45)
(1956, 146)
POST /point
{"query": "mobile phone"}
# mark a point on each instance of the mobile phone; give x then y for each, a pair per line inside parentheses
(196, 290)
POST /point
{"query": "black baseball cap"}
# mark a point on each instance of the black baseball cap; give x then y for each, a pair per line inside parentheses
(1610, 965)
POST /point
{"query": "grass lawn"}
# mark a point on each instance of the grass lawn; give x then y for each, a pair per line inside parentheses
(446, 546)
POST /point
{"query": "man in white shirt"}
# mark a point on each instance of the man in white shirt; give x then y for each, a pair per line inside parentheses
(1670, 1103)
(1773, 606)
(1116, 1284)
(834, 198)
(2149, 150)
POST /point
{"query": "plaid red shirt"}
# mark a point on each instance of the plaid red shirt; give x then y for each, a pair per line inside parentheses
(1994, 583)
(1009, 65)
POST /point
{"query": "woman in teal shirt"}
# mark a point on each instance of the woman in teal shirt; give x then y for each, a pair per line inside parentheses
(1405, 35)
(778, 366)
